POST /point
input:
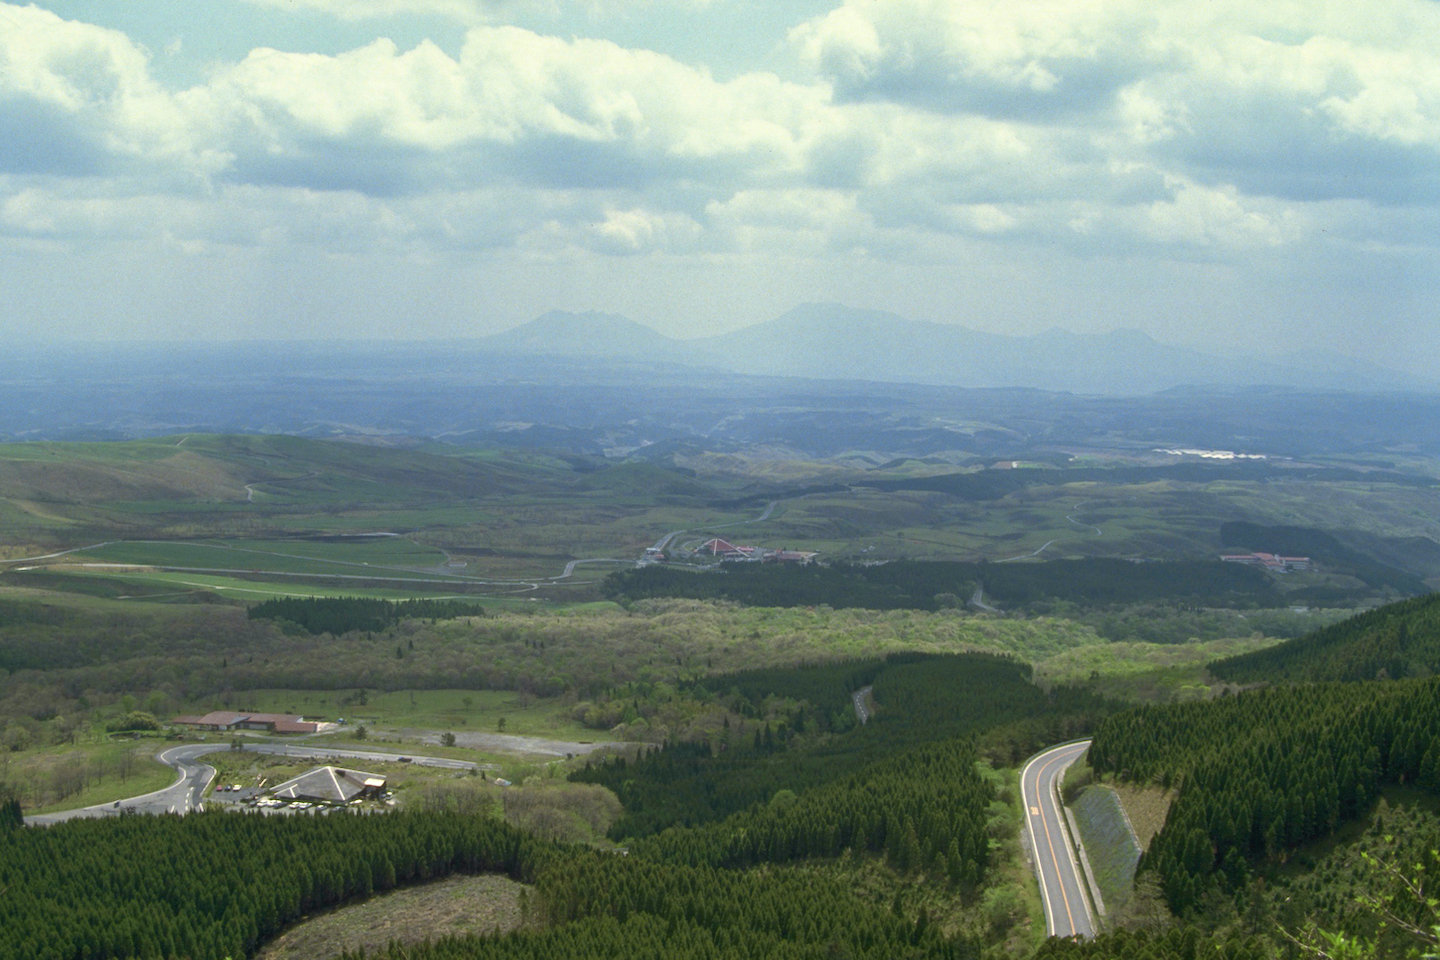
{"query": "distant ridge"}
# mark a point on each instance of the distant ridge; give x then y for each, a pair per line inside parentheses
(590, 334)
(830, 341)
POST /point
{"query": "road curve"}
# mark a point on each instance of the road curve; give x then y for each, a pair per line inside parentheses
(858, 698)
(187, 792)
(182, 796)
(1067, 909)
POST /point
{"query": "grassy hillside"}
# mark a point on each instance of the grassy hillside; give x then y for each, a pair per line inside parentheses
(1398, 640)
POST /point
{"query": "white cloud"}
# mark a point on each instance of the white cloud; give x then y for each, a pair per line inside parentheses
(77, 98)
(514, 106)
(464, 11)
(1175, 125)
(1285, 98)
(638, 230)
(470, 12)
(1004, 58)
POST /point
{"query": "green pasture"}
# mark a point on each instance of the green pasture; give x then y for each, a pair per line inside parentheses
(115, 452)
(520, 514)
(396, 556)
(147, 584)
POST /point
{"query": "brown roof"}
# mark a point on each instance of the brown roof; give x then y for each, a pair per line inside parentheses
(226, 718)
(295, 726)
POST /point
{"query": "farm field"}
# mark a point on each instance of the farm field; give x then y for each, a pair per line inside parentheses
(200, 518)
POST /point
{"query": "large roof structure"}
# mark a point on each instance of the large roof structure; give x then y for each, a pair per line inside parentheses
(330, 785)
(720, 548)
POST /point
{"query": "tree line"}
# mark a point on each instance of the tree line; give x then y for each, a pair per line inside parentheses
(341, 615)
(1394, 641)
(922, 699)
(936, 584)
(217, 885)
(603, 906)
(1263, 772)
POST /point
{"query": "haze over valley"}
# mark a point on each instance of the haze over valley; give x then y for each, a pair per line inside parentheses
(504, 480)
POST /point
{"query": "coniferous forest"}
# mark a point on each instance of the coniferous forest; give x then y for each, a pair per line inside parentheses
(715, 834)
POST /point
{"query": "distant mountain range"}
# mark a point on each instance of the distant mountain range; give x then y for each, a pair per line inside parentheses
(827, 341)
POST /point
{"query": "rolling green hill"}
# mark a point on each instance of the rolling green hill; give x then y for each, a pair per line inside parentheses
(58, 495)
(1398, 640)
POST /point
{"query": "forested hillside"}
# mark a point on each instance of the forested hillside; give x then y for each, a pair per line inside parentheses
(922, 700)
(904, 789)
(1263, 772)
(216, 885)
(1398, 640)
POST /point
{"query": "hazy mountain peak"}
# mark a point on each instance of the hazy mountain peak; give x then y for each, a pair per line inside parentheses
(582, 334)
(832, 341)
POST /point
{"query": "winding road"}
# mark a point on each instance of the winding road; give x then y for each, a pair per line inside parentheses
(858, 698)
(1070, 517)
(185, 795)
(1062, 886)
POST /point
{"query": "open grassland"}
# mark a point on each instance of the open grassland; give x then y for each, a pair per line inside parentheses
(205, 519)
(156, 585)
(456, 906)
(66, 776)
(286, 555)
(453, 710)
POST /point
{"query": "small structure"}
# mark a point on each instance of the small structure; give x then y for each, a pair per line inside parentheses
(790, 556)
(1269, 561)
(225, 720)
(330, 785)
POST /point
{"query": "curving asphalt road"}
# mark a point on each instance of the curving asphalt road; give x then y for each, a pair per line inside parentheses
(186, 793)
(182, 796)
(858, 698)
(1067, 909)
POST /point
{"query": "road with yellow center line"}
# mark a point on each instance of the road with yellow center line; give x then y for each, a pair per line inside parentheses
(1067, 909)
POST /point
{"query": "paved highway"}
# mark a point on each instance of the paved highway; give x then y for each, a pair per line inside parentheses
(182, 796)
(1067, 909)
(188, 790)
(858, 698)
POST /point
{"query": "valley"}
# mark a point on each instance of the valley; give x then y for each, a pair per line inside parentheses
(548, 641)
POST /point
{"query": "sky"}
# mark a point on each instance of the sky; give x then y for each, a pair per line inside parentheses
(1229, 175)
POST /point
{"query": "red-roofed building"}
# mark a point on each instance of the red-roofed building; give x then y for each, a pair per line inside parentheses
(223, 720)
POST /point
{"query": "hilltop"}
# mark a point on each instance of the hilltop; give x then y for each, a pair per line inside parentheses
(1394, 641)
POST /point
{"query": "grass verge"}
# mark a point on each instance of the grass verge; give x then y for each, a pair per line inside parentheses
(1111, 849)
